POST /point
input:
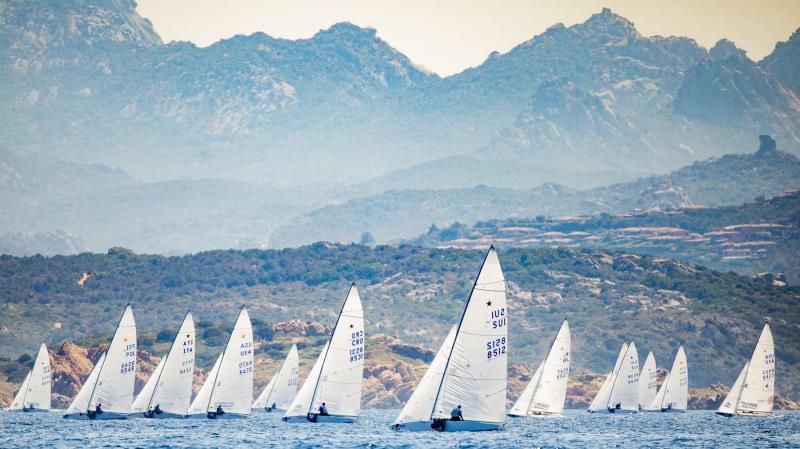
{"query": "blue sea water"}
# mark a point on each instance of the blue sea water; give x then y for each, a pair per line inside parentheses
(577, 429)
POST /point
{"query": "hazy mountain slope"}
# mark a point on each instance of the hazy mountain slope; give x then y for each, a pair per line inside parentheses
(729, 180)
(756, 237)
(416, 294)
(782, 62)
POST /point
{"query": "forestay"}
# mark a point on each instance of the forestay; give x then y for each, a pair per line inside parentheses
(142, 402)
(200, 403)
(522, 405)
(339, 384)
(476, 371)
(114, 387)
(80, 403)
(648, 382)
(302, 402)
(419, 405)
(731, 401)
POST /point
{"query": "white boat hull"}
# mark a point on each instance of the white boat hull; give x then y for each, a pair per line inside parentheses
(416, 426)
(105, 416)
(164, 415)
(469, 426)
(36, 410)
(269, 410)
(320, 419)
(218, 417)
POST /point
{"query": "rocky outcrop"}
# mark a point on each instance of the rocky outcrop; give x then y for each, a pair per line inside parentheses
(399, 347)
(388, 384)
(299, 328)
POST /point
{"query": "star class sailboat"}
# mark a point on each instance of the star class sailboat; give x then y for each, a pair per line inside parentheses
(753, 393)
(545, 393)
(34, 393)
(673, 396)
(332, 391)
(168, 392)
(228, 390)
(108, 391)
(472, 378)
(282, 388)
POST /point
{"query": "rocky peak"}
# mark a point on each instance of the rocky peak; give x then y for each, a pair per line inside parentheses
(784, 62)
(608, 23)
(766, 143)
(724, 49)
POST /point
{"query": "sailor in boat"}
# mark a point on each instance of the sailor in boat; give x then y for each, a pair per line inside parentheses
(98, 410)
(270, 408)
(616, 407)
(153, 411)
(456, 415)
(323, 411)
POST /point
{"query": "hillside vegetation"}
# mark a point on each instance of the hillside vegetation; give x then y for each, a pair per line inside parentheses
(415, 294)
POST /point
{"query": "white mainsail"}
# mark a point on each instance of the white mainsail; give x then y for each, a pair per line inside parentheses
(522, 405)
(552, 388)
(200, 403)
(674, 393)
(419, 405)
(142, 401)
(113, 390)
(759, 384)
(648, 382)
(80, 403)
(600, 401)
(731, 401)
(549, 386)
(339, 384)
(233, 388)
(302, 402)
(475, 375)
(282, 388)
(34, 393)
(173, 390)
(625, 387)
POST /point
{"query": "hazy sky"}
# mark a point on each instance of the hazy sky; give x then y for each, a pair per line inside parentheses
(447, 36)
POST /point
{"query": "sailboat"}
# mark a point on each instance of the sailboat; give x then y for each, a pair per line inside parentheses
(169, 390)
(34, 393)
(648, 382)
(753, 392)
(282, 388)
(472, 380)
(673, 396)
(416, 414)
(108, 392)
(600, 401)
(228, 389)
(334, 383)
(624, 395)
(545, 393)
